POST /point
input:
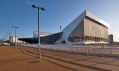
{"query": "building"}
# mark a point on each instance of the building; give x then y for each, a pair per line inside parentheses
(85, 29)
(110, 39)
(12, 40)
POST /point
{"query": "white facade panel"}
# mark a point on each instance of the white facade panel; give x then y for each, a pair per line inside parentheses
(68, 29)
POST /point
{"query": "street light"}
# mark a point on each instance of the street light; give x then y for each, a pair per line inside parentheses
(15, 34)
(3, 40)
(60, 33)
(9, 37)
(39, 8)
(6, 38)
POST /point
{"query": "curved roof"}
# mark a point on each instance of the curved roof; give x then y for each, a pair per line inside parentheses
(88, 14)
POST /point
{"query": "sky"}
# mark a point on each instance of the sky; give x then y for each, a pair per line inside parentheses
(58, 12)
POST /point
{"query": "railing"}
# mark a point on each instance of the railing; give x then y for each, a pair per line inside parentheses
(87, 49)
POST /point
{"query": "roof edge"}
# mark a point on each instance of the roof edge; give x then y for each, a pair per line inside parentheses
(90, 15)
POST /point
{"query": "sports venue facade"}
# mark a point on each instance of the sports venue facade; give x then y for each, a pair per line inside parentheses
(85, 29)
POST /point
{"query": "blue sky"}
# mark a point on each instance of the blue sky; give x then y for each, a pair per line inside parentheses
(58, 12)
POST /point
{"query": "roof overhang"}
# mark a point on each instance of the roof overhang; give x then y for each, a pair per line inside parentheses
(90, 15)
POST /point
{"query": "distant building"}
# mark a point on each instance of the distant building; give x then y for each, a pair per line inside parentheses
(0, 40)
(85, 29)
(12, 40)
(110, 37)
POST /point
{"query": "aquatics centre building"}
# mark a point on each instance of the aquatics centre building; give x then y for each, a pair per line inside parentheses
(85, 29)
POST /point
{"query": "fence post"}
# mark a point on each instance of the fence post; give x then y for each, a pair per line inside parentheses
(94, 48)
(110, 50)
(101, 50)
(58, 49)
(87, 50)
(82, 49)
(54, 48)
(50, 48)
(68, 49)
(76, 50)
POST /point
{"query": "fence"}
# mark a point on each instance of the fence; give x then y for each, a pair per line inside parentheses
(81, 49)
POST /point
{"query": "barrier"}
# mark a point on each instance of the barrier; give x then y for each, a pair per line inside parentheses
(88, 50)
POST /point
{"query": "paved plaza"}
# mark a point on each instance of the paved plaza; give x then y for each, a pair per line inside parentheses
(26, 59)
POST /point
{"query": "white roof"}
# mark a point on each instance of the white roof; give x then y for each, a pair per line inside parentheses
(87, 13)
(43, 33)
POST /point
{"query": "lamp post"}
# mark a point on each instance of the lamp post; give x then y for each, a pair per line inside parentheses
(9, 37)
(6, 38)
(15, 34)
(60, 33)
(3, 40)
(39, 49)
